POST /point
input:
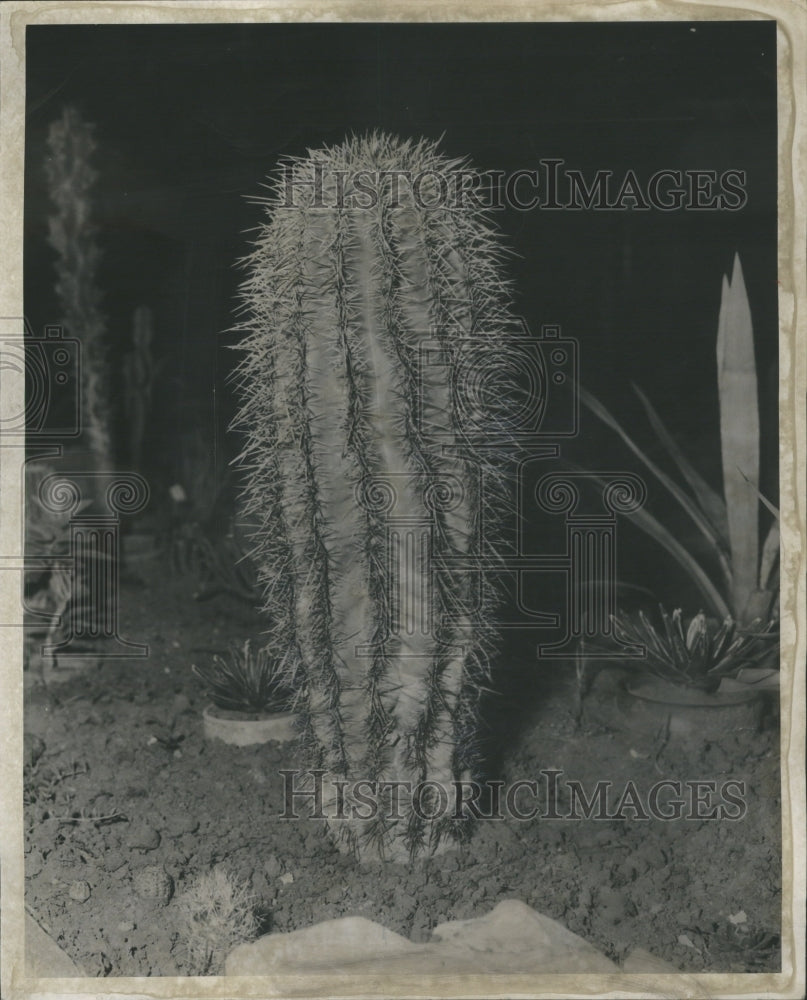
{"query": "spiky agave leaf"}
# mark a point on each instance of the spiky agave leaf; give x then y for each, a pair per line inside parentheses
(739, 434)
(698, 644)
(691, 506)
(769, 559)
(712, 504)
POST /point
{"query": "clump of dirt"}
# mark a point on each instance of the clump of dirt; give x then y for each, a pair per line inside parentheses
(127, 806)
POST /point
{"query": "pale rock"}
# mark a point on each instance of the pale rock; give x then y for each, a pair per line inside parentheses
(347, 942)
(182, 703)
(80, 891)
(272, 866)
(143, 837)
(43, 957)
(640, 961)
(512, 938)
(113, 860)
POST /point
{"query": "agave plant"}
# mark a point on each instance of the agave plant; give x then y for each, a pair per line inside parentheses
(746, 585)
(698, 653)
(252, 680)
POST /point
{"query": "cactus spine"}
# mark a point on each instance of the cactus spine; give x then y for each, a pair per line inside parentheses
(361, 505)
(72, 235)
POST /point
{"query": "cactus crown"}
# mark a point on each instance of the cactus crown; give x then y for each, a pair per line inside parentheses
(373, 370)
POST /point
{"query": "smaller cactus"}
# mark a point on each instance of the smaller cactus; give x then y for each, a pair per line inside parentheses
(216, 912)
(80, 891)
(154, 883)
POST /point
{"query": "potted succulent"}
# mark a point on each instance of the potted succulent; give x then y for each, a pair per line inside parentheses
(697, 674)
(730, 654)
(251, 696)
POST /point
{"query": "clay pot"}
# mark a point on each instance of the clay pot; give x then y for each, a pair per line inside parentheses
(649, 705)
(243, 729)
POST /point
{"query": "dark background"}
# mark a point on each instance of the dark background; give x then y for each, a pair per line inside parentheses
(190, 119)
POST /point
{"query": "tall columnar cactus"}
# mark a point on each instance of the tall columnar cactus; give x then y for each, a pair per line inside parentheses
(139, 372)
(375, 322)
(70, 178)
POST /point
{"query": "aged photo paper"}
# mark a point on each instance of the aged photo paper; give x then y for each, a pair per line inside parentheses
(402, 465)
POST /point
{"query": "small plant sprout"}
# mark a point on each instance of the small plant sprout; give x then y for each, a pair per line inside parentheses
(169, 739)
(250, 680)
(216, 913)
(698, 653)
